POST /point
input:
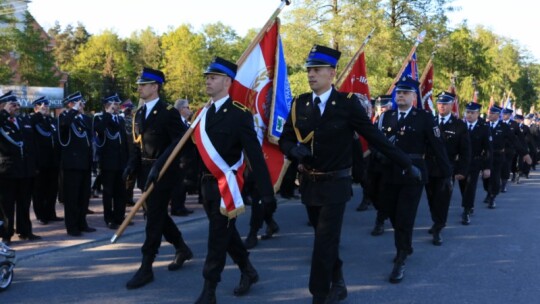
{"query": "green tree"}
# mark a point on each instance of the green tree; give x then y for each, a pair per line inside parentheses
(184, 59)
(6, 37)
(35, 60)
(101, 68)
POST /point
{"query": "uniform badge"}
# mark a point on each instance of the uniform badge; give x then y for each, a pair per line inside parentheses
(225, 110)
(155, 112)
(307, 103)
(436, 132)
(333, 103)
(490, 138)
(389, 129)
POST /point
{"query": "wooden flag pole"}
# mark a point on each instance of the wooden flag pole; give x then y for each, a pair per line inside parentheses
(419, 39)
(353, 60)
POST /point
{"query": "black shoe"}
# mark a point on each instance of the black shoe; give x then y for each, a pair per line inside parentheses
(364, 205)
(208, 294)
(144, 275)
(181, 256)
(338, 292)
(491, 204)
(271, 229)
(465, 217)
(503, 187)
(437, 239)
(378, 229)
(318, 300)
(251, 240)
(74, 233)
(29, 237)
(398, 272)
(112, 225)
(88, 229)
(56, 219)
(249, 277)
(88, 211)
(42, 222)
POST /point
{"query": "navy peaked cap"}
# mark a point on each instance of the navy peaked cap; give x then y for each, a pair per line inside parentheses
(149, 75)
(9, 96)
(222, 66)
(322, 56)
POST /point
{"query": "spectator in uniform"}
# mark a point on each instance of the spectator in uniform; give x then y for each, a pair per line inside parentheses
(48, 161)
(17, 170)
(75, 138)
(112, 151)
(188, 165)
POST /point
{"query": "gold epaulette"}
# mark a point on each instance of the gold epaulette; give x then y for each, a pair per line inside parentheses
(240, 106)
(170, 107)
(350, 95)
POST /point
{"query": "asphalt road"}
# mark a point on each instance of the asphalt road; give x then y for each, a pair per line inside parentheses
(493, 260)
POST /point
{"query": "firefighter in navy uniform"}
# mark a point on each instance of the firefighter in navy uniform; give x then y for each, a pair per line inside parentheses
(510, 149)
(373, 184)
(75, 138)
(532, 140)
(481, 159)
(319, 122)
(48, 161)
(18, 167)
(112, 150)
(412, 130)
(528, 141)
(228, 132)
(458, 149)
(157, 128)
(503, 137)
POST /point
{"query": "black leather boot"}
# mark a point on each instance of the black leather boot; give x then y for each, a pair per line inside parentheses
(271, 229)
(248, 277)
(466, 216)
(338, 290)
(364, 205)
(251, 239)
(378, 229)
(398, 272)
(208, 294)
(491, 202)
(144, 275)
(182, 255)
(437, 238)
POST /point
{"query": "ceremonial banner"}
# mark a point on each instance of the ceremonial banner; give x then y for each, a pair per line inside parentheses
(455, 106)
(411, 70)
(426, 87)
(262, 85)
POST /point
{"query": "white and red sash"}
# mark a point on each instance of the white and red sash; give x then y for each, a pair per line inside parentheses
(229, 183)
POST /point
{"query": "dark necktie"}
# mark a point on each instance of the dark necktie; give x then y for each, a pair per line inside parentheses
(401, 118)
(115, 119)
(470, 127)
(211, 112)
(492, 125)
(441, 121)
(316, 108)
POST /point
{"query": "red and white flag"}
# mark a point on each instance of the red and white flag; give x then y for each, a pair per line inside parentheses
(254, 86)
(426, 88)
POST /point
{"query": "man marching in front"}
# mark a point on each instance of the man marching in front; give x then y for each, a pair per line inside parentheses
(319, 122)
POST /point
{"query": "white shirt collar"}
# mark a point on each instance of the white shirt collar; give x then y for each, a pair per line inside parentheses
(473, 124)
(446, 118)
(494, 123)
(149, 106)
(406, 112)
(218, 103)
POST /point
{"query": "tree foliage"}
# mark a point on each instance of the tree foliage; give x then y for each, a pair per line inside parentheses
(477, 58)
